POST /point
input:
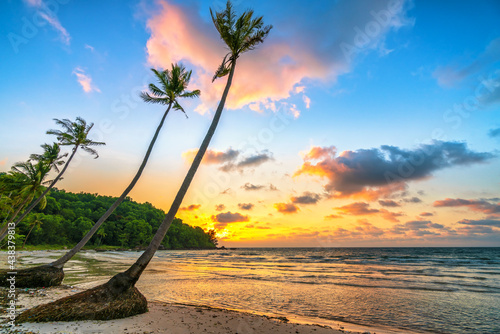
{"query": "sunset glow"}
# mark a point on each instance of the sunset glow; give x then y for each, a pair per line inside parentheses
(372, 123)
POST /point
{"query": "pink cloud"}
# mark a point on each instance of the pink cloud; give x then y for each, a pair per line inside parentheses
(263, 76)
(85, 81)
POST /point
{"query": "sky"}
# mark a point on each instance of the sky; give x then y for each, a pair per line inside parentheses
(355, 124)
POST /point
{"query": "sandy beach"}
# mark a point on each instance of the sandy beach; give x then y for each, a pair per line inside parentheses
(161, 318)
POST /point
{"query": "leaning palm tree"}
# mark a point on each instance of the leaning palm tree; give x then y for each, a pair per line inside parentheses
(119, 297)
(173, 85)
(29, 179)
(75, 134)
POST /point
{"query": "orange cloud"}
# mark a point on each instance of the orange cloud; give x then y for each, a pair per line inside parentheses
(363, 209)
(212, 156)
(486, 206)
(286, 208)
(191, 207)
(267, 75)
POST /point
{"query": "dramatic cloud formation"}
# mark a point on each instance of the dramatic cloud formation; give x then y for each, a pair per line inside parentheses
(85, 80)
(245, 206)
(49, 15)
(286, 208)
(278, 66)
(191, 207)
(375, 173)
(478, 205)
(388, 203)
(306, 198)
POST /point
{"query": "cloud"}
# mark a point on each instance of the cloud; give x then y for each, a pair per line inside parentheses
(412, 200)
(253, 187)
(289, 56)
(85, 80)
(426, 214)
(357, 209)
(191, 207)
(286, 208)
(246, 206)
(251, 161)
(255, 160)
(332, 216)
(223, 219)
(363, 209)
(90, 47)
(478, 205)
(419, 228)
(212, 156)
(375, 173)
(388, 203)
(47, 14)
(482, 222)
(306, 198)
(220, 207)
(447, 76)
(228, 159)
(494, 133)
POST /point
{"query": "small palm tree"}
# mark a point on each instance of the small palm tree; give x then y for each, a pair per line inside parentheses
(74, 134)
(173, 86)
(51, 156)
(29, 181)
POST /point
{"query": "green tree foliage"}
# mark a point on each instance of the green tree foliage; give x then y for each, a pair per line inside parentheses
(69, 216)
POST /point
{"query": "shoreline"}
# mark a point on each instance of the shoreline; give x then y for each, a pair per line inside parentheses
(177, 318)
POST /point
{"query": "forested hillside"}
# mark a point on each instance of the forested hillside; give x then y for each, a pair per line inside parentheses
(67, 217)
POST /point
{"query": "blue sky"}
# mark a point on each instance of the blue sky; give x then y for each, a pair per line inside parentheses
(427, 71)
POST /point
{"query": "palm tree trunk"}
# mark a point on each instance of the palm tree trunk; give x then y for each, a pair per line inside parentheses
(61, 261)
(32, 206)
(4, 231)
(31, 229)
(135, 271)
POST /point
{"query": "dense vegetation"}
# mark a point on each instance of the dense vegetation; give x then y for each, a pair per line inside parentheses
(67, 217)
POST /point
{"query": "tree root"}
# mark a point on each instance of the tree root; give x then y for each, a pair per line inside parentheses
(103, 302)
(35, 277)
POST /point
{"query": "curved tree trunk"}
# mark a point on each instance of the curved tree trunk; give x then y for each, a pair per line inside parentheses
(31, 229)
(127, 279)
(61, 261)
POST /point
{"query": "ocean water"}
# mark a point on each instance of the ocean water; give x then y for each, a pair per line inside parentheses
(426, 290)
(429, 290)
